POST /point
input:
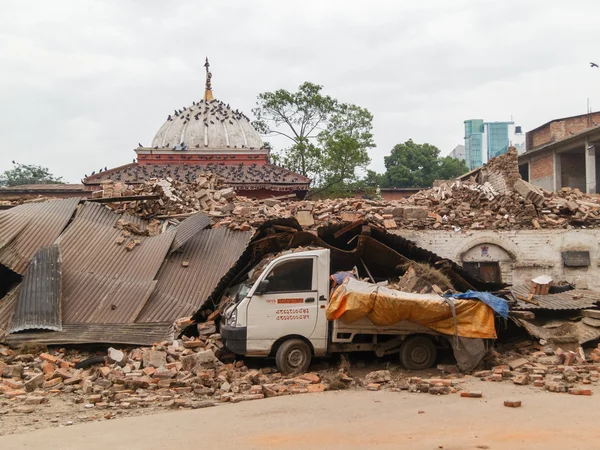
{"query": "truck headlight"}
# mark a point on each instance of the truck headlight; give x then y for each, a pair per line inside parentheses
(232, 319)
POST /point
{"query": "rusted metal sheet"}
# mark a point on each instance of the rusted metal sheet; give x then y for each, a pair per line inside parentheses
(109, 333)
(39, 301)
(182, 290)
(570, 300)
(26, 228)
(7, 308)
(103, 282)
(188, 229)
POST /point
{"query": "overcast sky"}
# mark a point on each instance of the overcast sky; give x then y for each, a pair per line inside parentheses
(82, 82)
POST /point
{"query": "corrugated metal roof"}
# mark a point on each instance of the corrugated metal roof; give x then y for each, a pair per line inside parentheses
(182, 290)
(26, 228)
(102, 281)
(570, 300)
(188, 229)
(110, 333)
(7, 307)
(39, 300)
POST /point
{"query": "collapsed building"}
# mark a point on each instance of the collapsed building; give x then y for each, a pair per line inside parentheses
(136, 259)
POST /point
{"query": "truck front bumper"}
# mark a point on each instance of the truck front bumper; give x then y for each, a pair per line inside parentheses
(234, 339)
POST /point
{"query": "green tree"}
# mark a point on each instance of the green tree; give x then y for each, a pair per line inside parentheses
(345, 144)
(418, 165)
(28, 174)
(450, 168)
(302, 115)
(329, 140)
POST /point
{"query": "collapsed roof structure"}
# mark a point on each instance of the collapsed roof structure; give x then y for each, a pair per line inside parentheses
(91, 275)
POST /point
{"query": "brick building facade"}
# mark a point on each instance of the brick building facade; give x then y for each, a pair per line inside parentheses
(562, 153)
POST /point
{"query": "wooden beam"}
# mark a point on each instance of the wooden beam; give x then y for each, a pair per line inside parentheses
(347, 228)
(130, 198)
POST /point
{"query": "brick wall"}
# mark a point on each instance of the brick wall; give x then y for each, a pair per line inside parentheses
(561, 129)
(522, 254)
(541, 171)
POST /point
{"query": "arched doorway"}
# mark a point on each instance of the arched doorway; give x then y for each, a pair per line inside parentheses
(488, 261)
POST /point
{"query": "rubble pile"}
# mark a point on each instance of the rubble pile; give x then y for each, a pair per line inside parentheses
(206, 193)
(546, 367)
(495, 197)
(182, 373)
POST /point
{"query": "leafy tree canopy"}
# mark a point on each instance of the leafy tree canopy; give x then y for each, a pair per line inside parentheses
(416, 165)
(329, 140)
(28, 174)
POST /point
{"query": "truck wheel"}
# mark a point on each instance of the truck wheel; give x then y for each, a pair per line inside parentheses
(418, 353)
(293, 356)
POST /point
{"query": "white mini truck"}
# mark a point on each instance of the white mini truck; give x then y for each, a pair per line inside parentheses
(282, 314)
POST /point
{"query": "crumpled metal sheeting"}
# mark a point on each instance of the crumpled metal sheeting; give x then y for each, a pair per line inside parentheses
(561, 331)
(39, 300)
(26, 228)
(182, 290)
(109, 333)
(97, 299)
(562, 301)
(7, 308)
(187, 229)
(102, 281)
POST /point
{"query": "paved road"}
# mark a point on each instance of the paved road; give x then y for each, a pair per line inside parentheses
(350, 419)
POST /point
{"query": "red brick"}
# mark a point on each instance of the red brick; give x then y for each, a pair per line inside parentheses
(574, 391)
(512, 403)
(48, 357)
(471, 394)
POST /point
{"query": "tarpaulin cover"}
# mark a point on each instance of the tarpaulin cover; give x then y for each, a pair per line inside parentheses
(496, 303)
(382, 306)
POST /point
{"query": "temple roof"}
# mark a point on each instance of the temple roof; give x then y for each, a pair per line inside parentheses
(208, 124)
(241, 176)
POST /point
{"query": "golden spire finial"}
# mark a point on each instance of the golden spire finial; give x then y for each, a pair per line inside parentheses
(208, 87)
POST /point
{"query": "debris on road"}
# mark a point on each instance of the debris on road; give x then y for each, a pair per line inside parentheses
(512, 403)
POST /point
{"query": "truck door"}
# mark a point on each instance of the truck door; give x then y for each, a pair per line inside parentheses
(289, 304)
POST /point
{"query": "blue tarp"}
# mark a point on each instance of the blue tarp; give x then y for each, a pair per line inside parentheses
(498, 304)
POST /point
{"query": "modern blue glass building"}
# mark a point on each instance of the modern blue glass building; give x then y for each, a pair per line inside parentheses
(474, 142)
(486, 140)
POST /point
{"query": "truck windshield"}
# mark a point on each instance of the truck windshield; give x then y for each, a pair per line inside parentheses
(241, 292)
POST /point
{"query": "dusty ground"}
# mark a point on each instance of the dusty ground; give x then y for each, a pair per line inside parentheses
(349, 419)
(61, 410)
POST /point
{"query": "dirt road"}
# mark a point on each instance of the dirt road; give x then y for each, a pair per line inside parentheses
(348, 419)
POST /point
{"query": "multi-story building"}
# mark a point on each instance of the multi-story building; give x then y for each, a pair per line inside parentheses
(562, 153)
(458, 152)
(486, 140)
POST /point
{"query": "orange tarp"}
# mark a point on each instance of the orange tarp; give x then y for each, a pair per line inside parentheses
(354, 299)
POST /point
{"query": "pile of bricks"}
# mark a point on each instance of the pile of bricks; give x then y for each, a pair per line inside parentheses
(182, 373)
(206, 193)
(548, 368)
(494, 198)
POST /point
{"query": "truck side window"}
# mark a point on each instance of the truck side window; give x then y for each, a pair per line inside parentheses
(292, 275)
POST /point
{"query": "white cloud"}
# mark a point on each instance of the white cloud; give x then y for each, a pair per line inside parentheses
(83, 82)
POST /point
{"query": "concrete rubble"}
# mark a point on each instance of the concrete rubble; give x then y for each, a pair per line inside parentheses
(494, 198)
(182, 373)
(187, 373)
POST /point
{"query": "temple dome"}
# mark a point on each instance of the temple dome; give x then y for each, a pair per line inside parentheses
(208, 125)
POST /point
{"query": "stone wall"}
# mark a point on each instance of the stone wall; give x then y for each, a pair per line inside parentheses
(521, 255)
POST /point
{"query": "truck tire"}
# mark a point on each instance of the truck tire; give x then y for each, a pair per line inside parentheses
(417, 353)
(293, 356)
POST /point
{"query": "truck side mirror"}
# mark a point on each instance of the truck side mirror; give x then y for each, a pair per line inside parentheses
(262, 287)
